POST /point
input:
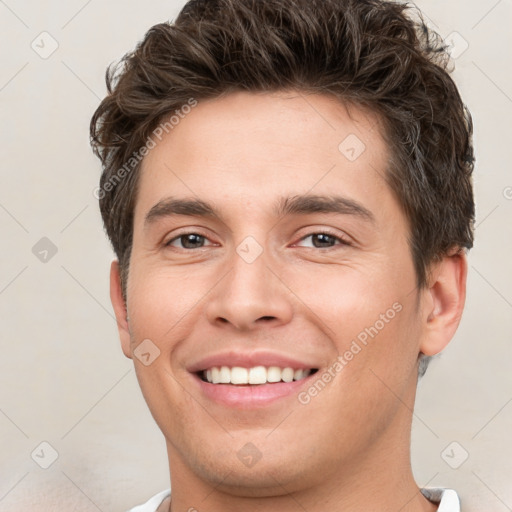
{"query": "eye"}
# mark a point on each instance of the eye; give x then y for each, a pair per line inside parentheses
(324, 240)
(187, 241)
(320, 240)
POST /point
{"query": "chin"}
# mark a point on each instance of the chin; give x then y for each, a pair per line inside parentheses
(246, 471)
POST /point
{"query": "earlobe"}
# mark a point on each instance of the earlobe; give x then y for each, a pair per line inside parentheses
(446, 296)
(120, 311)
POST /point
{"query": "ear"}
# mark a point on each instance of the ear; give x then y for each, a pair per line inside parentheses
(116, 297)
(444, 302)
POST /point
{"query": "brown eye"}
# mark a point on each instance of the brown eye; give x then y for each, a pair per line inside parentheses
(188, 241)
(324, 240)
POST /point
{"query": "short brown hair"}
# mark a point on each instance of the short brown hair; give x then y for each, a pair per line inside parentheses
(365, 52)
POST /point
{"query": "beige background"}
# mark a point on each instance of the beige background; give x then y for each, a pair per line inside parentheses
(64, 378)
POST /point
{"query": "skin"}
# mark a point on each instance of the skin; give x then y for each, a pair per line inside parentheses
(348, 448)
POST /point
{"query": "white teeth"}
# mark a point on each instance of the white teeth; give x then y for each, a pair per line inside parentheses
(239, 375)
(287, 374)
(224, 375)
(256, 375)
(274, 374)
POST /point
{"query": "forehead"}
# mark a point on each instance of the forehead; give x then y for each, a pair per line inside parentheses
(250, 148)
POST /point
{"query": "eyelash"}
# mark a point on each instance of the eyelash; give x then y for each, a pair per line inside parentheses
(342, 240)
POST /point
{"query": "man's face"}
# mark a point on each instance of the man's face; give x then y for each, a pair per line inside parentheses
(260, 286)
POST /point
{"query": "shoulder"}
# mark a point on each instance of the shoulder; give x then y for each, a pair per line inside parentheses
(153, 503)
(447, 499)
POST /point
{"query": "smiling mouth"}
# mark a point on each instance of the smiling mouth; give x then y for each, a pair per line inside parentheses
(257, 375)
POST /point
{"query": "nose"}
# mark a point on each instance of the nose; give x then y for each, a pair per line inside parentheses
(250, 295)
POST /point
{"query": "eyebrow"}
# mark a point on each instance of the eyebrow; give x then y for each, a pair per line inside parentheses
(291, 205)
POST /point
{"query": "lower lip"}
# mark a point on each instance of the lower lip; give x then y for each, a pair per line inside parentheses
(250, 396)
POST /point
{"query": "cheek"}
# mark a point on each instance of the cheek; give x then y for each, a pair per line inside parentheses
(167, 400)
(348, 299)
(370, 320)
(163, 301)
(379, 361)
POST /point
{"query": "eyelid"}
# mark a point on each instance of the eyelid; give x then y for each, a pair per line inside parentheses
(186, 231)
(343, 239)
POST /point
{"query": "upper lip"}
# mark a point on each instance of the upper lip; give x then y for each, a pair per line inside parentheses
(249, 360)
